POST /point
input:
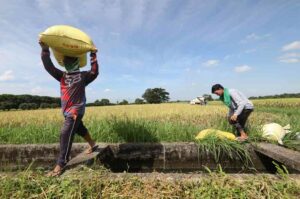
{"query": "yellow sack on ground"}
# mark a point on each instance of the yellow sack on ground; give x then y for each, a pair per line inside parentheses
(221, 134)
(67, 41)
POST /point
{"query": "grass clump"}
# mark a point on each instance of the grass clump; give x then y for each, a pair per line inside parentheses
(292, 141)
(222, 149)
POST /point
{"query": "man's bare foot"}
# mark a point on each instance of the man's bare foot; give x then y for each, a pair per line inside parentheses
(91, 148)
(243, 136)
(57, 171)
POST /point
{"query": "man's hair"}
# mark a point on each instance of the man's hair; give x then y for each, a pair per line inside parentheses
(216, 87)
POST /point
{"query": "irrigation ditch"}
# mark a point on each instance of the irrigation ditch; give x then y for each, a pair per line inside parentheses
(178, 157)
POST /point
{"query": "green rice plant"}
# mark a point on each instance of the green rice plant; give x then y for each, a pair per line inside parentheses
(145, 123)
(225, 148)
(292, 141)
(281, 170)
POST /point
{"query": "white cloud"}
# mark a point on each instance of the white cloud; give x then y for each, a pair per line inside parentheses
(107, 90)
(37, 90)
(290, 60)
(227, 57)
(127, 77)
(116, 34)
(7, 75)
(211, 63)
(242, 68)
(250, 50)
(288, 55)
(292, 46)
(187, 69)
(44, 4)
(44, 91)
(254, 37)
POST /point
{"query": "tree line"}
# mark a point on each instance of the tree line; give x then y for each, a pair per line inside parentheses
(31, 102)
(284, 95)
(27, 102)
(151, 96)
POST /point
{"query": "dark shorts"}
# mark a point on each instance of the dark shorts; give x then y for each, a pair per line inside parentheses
(240, 123)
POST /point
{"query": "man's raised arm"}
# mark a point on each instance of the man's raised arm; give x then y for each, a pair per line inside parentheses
(93, 73)
(50, 68)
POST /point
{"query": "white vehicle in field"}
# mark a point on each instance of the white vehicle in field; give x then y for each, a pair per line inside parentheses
(198, 101)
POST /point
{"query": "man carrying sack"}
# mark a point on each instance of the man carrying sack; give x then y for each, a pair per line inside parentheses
(73, 101)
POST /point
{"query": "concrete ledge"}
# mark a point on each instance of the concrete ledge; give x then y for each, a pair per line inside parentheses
(283, 155)
(13, 156)
(131, 157)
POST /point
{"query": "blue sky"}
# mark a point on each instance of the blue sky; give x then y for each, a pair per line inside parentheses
(184, 46)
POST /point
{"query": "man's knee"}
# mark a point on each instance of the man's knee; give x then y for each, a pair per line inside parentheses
(68, 123)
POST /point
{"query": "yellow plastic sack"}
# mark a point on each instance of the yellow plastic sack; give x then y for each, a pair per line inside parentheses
(67, 41)
(221, 134)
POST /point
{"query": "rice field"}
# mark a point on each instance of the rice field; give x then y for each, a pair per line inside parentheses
(168, 122)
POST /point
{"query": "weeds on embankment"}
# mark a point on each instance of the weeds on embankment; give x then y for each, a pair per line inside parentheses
(88, 183)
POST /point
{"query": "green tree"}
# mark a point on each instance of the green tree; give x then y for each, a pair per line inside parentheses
(105, 102)
(124, 102)
(54, 105)
(102, 102)
(24, 106)
(208, 97)
(8, 105)
(139, 101)
(28, 106)
(156, 95)
(45, 105)
(8, 101)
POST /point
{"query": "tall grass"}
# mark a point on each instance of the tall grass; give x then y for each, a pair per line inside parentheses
(88, 183)
(144, 123)
(148, 123)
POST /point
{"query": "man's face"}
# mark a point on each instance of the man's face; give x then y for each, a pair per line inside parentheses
(71, 63)
(69, 60)
(219, 92)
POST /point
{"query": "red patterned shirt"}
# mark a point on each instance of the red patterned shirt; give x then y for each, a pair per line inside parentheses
(72, 85)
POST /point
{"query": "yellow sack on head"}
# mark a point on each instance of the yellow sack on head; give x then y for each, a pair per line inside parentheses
(221, 134)
(67, 41)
